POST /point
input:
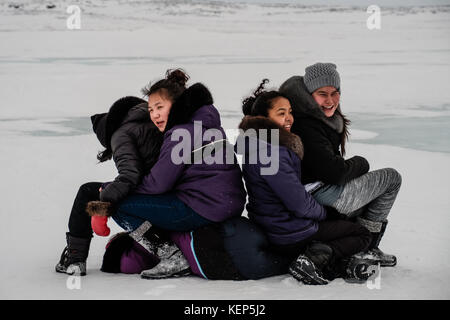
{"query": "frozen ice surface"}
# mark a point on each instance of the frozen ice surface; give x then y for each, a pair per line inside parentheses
(421, 133)
(394, 89)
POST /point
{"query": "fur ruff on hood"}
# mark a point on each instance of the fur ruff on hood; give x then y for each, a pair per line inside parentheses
(193, 98)
(105, 124)
(287, 139)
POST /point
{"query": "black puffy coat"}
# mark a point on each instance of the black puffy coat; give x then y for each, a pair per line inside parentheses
(135, 144)
(321, 137)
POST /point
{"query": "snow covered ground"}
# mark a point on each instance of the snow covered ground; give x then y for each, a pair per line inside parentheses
(394, 88)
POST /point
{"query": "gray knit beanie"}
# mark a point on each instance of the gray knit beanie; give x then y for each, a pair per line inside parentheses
(321, 75)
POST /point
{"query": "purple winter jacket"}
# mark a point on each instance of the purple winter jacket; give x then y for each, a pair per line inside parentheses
(279, 202)
(214, 191)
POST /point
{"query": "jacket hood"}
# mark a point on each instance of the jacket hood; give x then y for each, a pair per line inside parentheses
(303, 104)
(208, 115)
(99, 127)
(286, 139)
(138, 113)
(185, 107)
(125, 109)
(124, 255)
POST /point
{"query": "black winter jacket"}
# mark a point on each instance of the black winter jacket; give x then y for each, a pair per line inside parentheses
(135, 146)
(321, 137)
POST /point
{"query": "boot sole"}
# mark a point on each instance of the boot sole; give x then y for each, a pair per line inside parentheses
(71, 274)
(64, 270)
(182, 273)
(383, 263)
(386, 264)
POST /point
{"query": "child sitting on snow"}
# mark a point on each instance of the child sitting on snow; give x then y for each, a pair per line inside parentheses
(133, 141)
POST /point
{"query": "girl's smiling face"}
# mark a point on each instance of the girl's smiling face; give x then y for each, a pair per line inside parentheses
(281, 113)
(328, 99)
(159, 108)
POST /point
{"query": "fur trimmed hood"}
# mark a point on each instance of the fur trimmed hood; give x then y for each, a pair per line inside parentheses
(126, 109)
(124, 255)
(303, 104)
(286, 139)
(192, 99)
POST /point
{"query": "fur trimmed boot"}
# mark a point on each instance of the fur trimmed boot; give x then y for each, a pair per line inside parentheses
(73, 258)
(172, 262)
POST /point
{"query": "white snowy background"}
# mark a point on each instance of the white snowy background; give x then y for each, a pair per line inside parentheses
(395, 88)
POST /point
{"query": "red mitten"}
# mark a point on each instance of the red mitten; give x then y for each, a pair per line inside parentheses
(100, 226)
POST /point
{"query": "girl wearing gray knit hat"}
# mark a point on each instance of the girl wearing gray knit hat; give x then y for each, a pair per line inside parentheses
(344, 184)
(323, 83)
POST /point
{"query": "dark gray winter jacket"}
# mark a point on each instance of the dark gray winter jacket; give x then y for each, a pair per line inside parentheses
(321, 137)
(135, 146)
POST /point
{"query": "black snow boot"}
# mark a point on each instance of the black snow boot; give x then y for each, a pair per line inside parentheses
(172, 261)
(386, 260)
(374, 253)
(73, 258)
(357, 270)
(310, 266)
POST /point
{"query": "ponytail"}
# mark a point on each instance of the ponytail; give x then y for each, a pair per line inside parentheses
(177, 76)
(173, 85)
(260, 102)
(104, 155)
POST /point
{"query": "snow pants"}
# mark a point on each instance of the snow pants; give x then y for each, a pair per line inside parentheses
(79, 220)
(235, 249)
(344, 237)
(369, 197)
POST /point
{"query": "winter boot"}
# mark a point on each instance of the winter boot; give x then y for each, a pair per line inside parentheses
(173, 266)
(374, 253)
(172, 262)
(309, 266)
(73, 258)
(356, 269)
(386, 260)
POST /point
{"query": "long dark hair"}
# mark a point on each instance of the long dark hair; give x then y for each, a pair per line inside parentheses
(260, 102)
(172, 86)
(345, 132)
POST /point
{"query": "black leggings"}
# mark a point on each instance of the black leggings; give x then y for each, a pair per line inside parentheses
(344, 237)
(80, 221)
